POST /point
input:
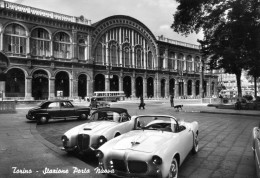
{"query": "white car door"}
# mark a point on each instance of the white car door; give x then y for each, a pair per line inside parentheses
(185, 142)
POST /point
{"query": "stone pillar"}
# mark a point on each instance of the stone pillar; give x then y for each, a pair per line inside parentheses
(133, 87)
(74, 50)
(2, 89)
(176, 88)
(144, 87)
(52, 88)
(107, 83)
(208, 88)
(194, 88)
(185, 87)
(167, 88)
(166, 60)
(75, 88)
(28, 88)
(120, 83)
(155, 88)
(120, 56)
(89, 87)
(216, 88)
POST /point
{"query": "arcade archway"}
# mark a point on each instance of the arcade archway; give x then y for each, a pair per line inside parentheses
(62, 84)
(163, 88)
(172, 86)
(40, 85)
(15, 83)
(127, 86)
(82, 85)
(139, 87)
(150, 87)
(189, 89)
(114, 83)
(100, 82)
(197, 87)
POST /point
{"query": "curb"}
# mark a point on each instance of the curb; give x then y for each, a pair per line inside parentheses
(243, 114)
(54, 148)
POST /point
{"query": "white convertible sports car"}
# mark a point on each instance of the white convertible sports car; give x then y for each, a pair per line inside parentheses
(104, 124)
(256, 148)
(156, 147)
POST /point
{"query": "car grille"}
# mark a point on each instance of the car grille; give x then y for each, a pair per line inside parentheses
(83, 142)
(137, 167)
(119, 165)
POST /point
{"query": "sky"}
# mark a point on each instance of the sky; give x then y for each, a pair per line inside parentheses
(157, 15)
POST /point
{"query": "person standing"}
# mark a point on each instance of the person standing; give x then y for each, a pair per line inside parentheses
(142, 104)
(171, 100)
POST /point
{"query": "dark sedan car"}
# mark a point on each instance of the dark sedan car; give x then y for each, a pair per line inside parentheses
(58, 109)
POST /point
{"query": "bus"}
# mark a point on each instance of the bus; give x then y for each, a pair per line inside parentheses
(109, 95)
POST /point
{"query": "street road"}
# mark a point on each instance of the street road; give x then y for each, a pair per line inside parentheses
(224, 140)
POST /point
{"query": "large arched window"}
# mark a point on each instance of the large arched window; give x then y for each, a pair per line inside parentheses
(113, 53)
(150, 60)
(40, 42)
(180, 62)
(15, 39)
(62, 45)
(126, 55)
(99, 53)
(189, 63)
(197, 64)
(171, 60)
(82, 49)
(138, 57)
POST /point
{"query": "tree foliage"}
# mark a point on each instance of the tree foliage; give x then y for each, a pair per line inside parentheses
(229, 28)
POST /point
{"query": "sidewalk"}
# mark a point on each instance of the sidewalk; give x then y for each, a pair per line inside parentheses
(24, 152)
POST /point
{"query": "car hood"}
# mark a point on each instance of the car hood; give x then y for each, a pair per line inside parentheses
(143, 140)
(97, 127)
(35, 109)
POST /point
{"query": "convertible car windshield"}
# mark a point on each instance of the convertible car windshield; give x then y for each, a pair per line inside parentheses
(162, 123)
(110, 116)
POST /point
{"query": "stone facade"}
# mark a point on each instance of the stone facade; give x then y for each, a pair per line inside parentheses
(45, 55)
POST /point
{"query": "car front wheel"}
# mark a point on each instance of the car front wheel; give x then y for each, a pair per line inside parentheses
(174, 169)
(195, 147)
(42, 120)
(83, 116)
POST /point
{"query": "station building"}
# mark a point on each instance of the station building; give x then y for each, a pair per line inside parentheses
(44, 55)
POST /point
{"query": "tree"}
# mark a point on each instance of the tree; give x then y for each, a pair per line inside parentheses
(227, 27)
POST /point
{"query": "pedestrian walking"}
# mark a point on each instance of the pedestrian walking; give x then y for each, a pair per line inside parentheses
(171, 100)
(142, 104)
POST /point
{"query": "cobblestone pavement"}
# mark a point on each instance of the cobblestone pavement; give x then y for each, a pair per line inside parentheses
(224, 139)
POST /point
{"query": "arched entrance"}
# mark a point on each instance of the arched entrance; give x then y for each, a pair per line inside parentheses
(139, 87)
(212, 88)
(127, 86)
(150, 86)
(189, 89)
(181, 87)
(40, 85)
(82, 85)
(172, 86)
(114, 83)
(15, 83)
(163, 88)
(197, 87)
(99, 82)
(62, 84)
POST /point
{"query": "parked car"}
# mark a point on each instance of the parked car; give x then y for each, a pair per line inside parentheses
(95, 103)
(256, 148)
(156, 147)
(57, 109)
(103, 125)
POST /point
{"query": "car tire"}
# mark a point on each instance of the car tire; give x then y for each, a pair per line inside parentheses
(83, 116)
(42, 120)
(195, 147)
(174, 169)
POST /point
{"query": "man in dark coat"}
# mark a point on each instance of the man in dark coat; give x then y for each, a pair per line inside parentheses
(142, 104)
(171, 100)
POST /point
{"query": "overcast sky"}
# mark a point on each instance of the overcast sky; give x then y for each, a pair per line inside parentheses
(157, 15)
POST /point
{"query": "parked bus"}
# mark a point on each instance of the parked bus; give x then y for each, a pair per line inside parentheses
(109, 95)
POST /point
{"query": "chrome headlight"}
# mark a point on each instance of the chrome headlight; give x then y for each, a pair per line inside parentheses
(64, 139)
(156, 160)
(101, 140)
(99, 154)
